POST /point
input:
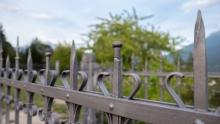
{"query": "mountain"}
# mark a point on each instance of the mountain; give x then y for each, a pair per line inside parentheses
(212, 51)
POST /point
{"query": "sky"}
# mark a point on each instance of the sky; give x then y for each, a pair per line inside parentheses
(58, 21)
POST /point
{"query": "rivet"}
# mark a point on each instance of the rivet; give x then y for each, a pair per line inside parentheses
(41, 90)
(24, 86)
(111, 106)
(67, 96)
(198, 121)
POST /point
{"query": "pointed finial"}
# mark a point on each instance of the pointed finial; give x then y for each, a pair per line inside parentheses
(73, 67)
(17, 49)
(29, 61)
(200, 66)
(199, 27)
(7, 62)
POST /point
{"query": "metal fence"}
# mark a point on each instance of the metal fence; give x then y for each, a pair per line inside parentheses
(118, 109)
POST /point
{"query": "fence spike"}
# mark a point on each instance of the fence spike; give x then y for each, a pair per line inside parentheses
(29, 65)
(200, 66)
(73, 67)
(17, 58)
(47, 72)
(7, 66)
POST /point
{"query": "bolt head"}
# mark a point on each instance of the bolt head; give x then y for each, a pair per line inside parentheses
(111, 106)
(67, 96)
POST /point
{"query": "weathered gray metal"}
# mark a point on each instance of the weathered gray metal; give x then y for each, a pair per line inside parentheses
(8, 98)
(17, 74)
(200, 66)
(29, 76)
(73, 109)
(46, 114)
(118, 108)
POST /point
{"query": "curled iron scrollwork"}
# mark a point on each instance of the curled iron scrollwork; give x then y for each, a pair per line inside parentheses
(46, 114)
(176, 98)
(70, 106)
(137, 82)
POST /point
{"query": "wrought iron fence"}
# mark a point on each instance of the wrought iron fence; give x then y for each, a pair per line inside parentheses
(118, 109)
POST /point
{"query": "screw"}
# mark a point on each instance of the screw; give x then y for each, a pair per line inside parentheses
(12, 82)
(67, 96)
(24, 86)
(111, 106)
(42, 90)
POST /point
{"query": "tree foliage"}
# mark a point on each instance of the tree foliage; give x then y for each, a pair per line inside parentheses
(62, 53)
(143, 40)
(7, 47)
(38, 50)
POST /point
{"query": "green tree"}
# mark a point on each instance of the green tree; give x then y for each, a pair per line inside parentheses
(62, 53)
(38, 50)
(143, 40)
(7, 47)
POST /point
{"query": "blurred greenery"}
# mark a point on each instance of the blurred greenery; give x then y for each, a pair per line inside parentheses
(145, 41)
(8, 49)
(62, 53)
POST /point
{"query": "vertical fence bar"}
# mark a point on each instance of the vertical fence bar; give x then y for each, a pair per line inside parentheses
(146, 79)
(132, 62)
(91, 112)
(200, 66)
(73, 82)
(178, 78)
(29, 75)
(1, 86)
(133, 69)
(161, 78)
(17, 91)
(117, 76)
(84, 67)
(8, 98)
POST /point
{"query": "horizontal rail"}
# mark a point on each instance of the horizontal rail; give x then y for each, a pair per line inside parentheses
(134, 109)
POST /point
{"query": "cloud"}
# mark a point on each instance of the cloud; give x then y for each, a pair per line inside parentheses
(6, 7)
(198, 4)
(42, 16)
(86, 10)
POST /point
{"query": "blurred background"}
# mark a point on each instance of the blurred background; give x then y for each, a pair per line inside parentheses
(157, 36)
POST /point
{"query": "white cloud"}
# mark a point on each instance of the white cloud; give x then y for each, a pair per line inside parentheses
(6, 7)
(198, 4)
(42, 16)
(86, 10)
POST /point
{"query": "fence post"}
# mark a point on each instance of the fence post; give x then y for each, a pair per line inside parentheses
(200, 66)
(91, 113)
(117, 76)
